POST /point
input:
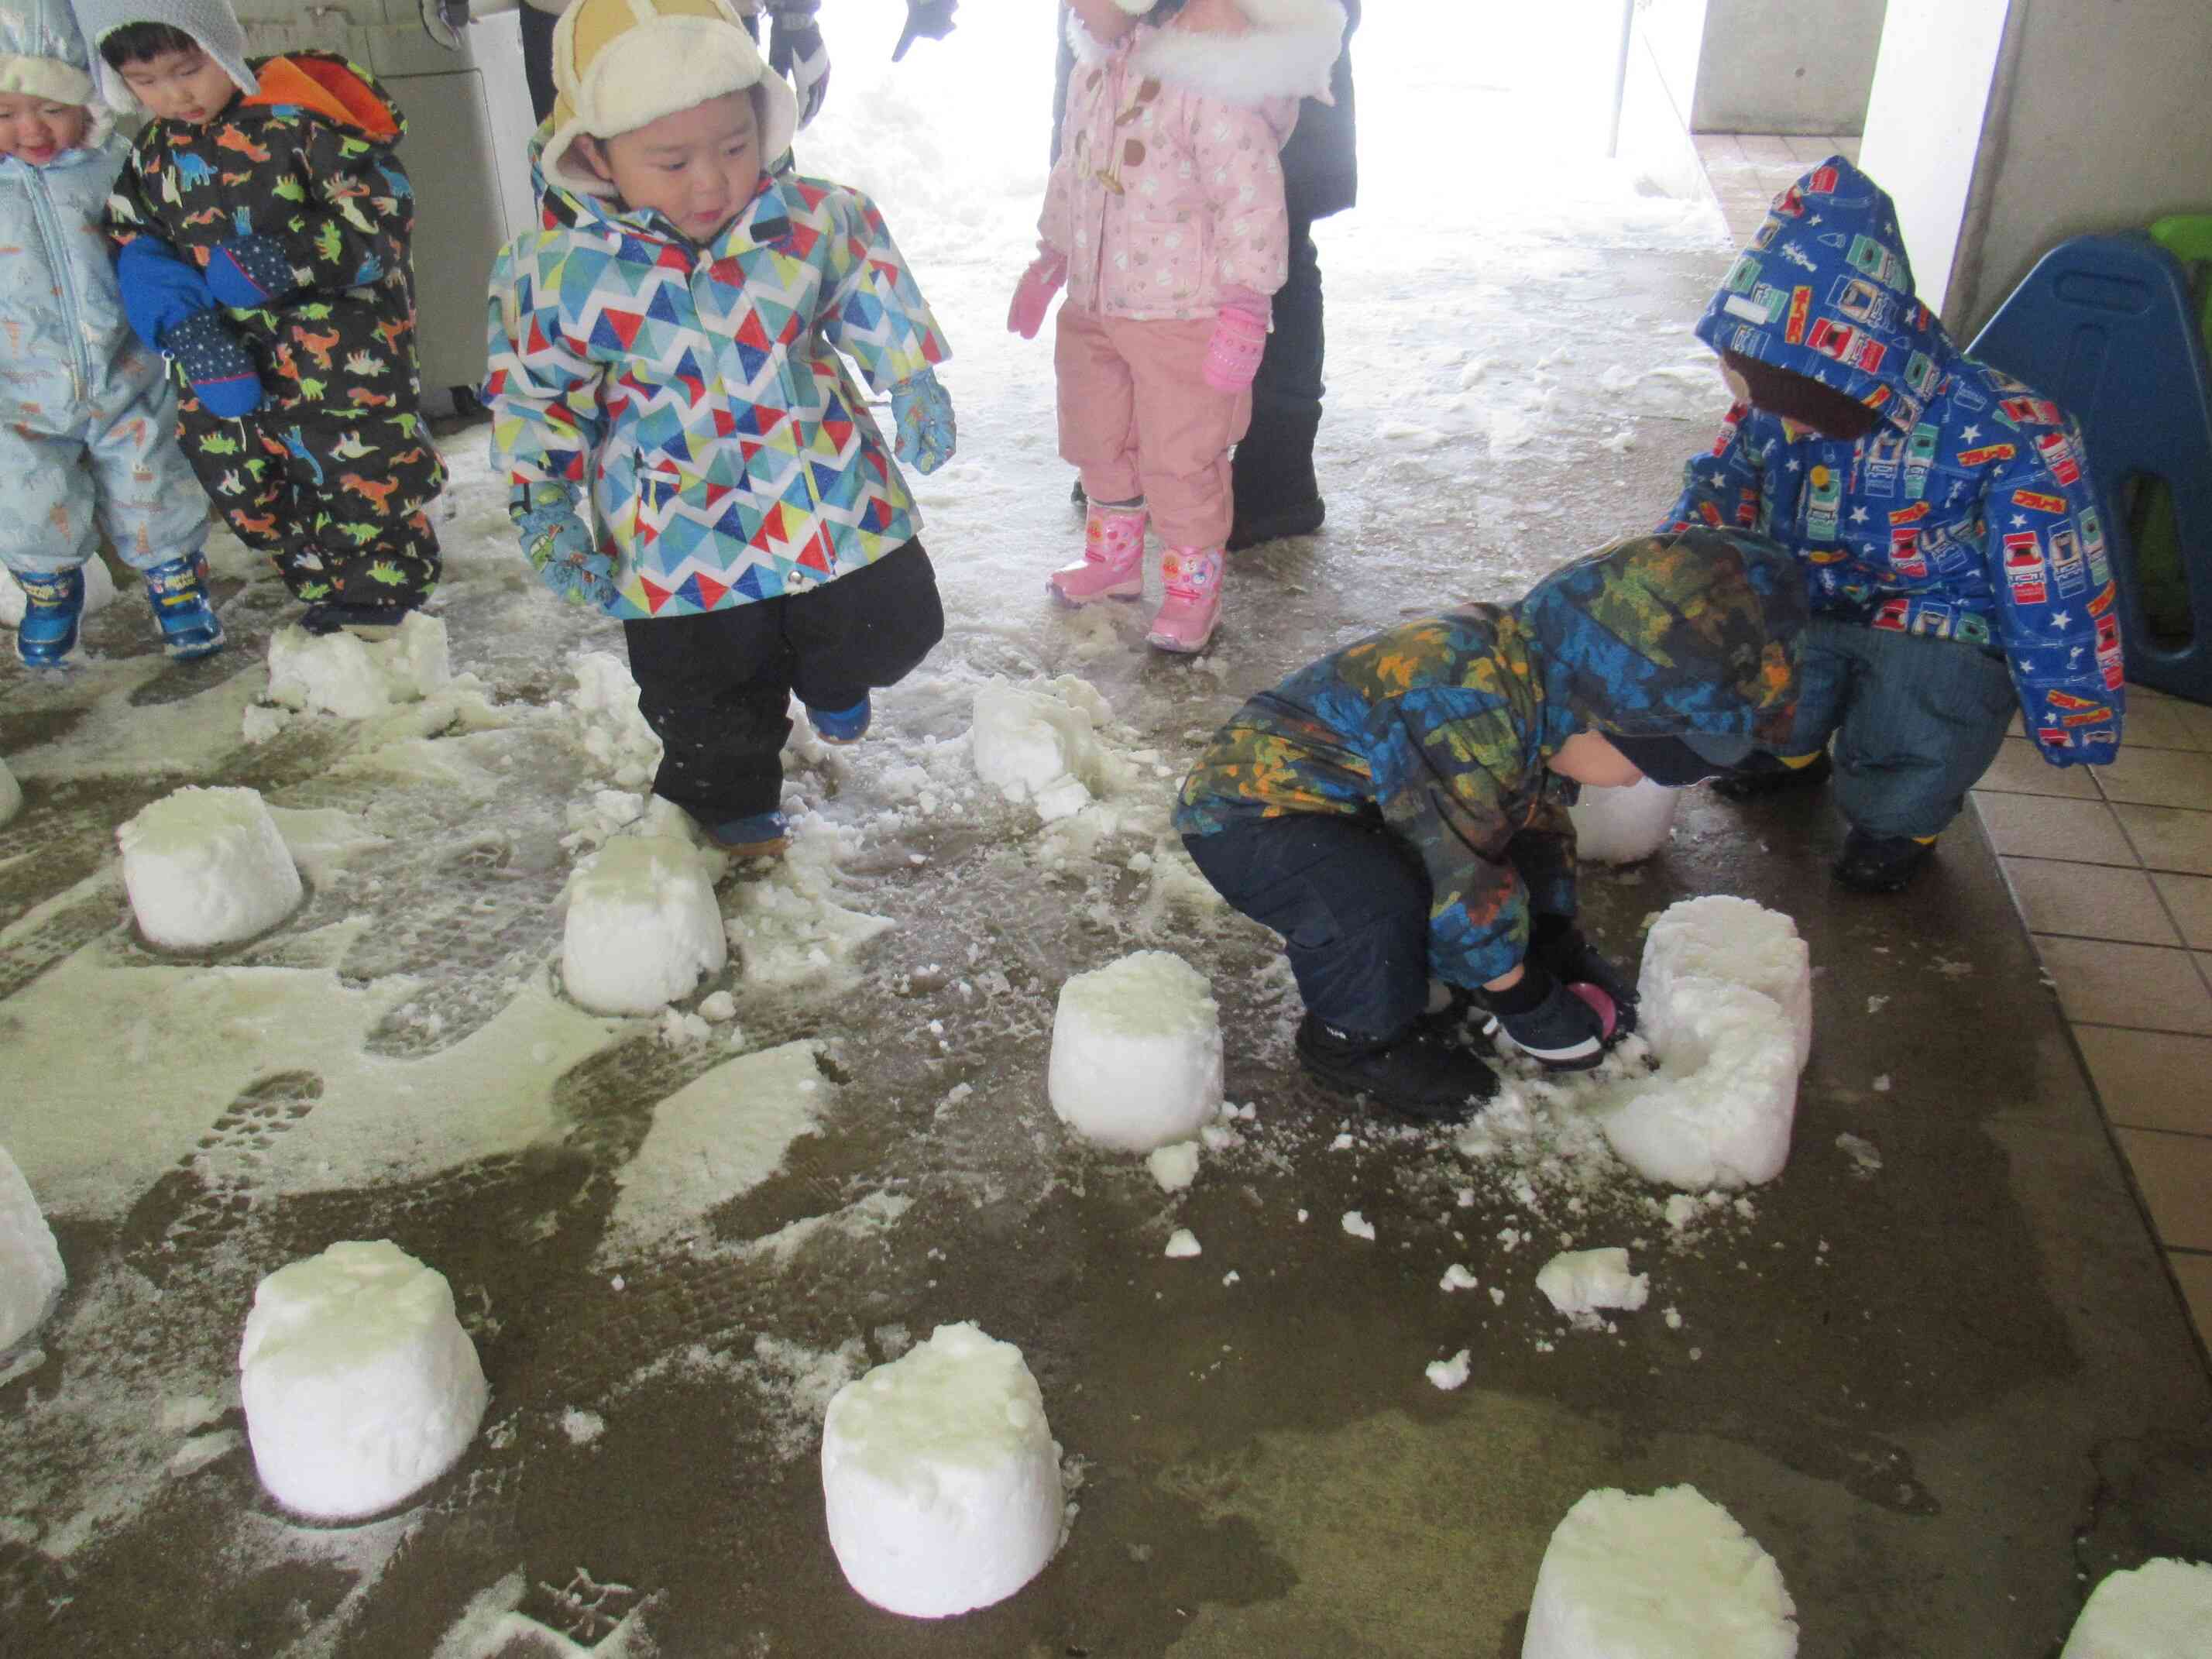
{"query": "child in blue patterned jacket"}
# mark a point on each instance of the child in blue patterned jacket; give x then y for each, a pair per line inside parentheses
(684, 449)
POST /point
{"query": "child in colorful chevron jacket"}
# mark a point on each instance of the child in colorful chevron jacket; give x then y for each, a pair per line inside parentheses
(1164, 217)
(683, 448)
(87, 418)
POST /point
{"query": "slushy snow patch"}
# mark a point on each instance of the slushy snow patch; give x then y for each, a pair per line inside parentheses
(940, 1477)
(1620, 826)
(1040, 744)
(31, 1272)
(11, 795)
(2161, 1610)
(1718, 1112)
(1579, 1282)
(1717, 936)
(643, 927)
(99, 593)
(1136, 1052)
(1667, 1576)
(206, 867)
(360, 1385)
(339, 674)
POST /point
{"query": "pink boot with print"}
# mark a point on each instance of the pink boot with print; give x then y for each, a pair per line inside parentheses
(1113, 563)
(1192, 576)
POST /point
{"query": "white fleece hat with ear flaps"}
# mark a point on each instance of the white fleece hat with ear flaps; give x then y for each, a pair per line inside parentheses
(622, 64)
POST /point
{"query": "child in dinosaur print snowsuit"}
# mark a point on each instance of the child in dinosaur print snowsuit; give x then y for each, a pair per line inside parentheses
(274, 185)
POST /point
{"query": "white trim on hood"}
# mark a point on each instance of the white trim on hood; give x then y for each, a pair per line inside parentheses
(1289, 52)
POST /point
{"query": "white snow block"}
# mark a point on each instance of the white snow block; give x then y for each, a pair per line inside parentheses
(206, 867)
(1039, 746)
(1620, 826)
(99, 593)
(11, 795)
(31, 1271)
(940, 1477)
(1136, 1052)
(1718, 1112)
(1717, 936)
(1667, 1576)
(340, 674)
(2161, 1610)
(1582, 1281)
(643, 927)
(360, 1385)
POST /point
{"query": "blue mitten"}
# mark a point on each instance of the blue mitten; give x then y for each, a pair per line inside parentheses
(557, 541)
(160, 291)
(247, 271)
(926, 434)
(222, 375)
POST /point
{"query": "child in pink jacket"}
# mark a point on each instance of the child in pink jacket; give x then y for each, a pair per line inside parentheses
(1165, 218)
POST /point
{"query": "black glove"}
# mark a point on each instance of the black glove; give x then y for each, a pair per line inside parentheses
(795, 49)
(1550, 1022)
(1557, 945)
(932, 18)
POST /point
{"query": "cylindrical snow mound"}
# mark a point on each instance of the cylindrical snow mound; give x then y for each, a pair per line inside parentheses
(1718, 1112)
(1620, 826)
(360, 1385)
(206, 867)
(940, 1477)
(31, 1272)
(1667, 1577)
(2162, 1610)
(1732, 938)
(1038, 744)
(643, 927)
(1136, 1052)
(11, 795)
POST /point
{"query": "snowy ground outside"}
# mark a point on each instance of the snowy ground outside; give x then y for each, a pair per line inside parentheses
(671, 1239)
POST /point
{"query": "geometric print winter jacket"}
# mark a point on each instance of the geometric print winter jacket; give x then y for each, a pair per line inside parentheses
(1966, 514)
(695, 393)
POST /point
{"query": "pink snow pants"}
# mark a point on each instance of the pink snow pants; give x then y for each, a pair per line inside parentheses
(1137, 417)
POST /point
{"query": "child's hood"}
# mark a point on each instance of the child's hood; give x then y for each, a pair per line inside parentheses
(210, 23)
(1663, 636)
(562, 206)
(1825, 290)
(1287, 53)
(43, 54)
(321, 83)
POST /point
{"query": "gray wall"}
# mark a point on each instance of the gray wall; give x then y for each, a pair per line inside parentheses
(1786, 65)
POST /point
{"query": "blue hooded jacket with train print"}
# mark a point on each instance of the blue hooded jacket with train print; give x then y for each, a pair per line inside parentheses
(1966, 514)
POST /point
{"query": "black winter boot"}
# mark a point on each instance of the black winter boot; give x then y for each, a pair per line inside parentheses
(1757, 786)
(1881, 864)
(1420, 1074)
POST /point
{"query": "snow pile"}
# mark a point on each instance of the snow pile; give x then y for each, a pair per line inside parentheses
(2162, 1610)
(11, 795)
(339, 674)
(360, 1385)
(1136, 1052)
(940, 1477)
(1620, 826)
(1667, 1576)
(206, 867)
(643, 926)
(31, 1272)
(1040, 744)
(99, 593)
(791, 924)
(1580, 1282)
(1717, 936)
(613, 732)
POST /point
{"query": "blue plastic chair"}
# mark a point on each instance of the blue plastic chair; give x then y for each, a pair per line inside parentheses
(2105, 326)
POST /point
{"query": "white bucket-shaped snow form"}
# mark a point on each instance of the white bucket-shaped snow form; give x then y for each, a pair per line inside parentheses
(31, 1271)
(1667, 1576)
(1036, 745)
(940, 1478)
(11, 795)
(341, 674)
(643, 927)
(1620, 826)
(1136, 1052)
(1719, 1111)
(207, 867)
(2161, 1610)
(1718, 937)
(360, 1385)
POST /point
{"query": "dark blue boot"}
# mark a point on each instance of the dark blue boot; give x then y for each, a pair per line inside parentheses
(54, 603)
(185, 609)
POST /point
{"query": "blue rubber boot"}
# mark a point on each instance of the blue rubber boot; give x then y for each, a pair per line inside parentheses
(54, 603)
(178, 591)
(759, 835)
(845, 724)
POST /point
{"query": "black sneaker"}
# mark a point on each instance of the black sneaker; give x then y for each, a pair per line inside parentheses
(1881, 864)
(1420, 1075)
(1299, 519)
(1757, 786)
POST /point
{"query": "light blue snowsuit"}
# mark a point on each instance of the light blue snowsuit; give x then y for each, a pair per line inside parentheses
(87, 422)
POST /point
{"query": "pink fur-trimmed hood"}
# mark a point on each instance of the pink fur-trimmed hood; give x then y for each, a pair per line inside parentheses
(1288, 53)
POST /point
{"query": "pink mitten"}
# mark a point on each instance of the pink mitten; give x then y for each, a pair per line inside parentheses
(1240, 335)
(1033, 294)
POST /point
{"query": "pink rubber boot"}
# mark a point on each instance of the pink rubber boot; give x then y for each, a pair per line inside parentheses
(1113, 563)
(1192, 576)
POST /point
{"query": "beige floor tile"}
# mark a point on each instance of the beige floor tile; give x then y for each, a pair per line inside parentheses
(2189, 899)
(2150, 1079)
(2019, 769)
(2162, 723)
(1849, 149)
(2166, 838)
(1766, 148)
(2194, 1273)
(2094, 900)
(2138, 985)
(2175, 1173)
(2157, 777)
(2046, 827)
